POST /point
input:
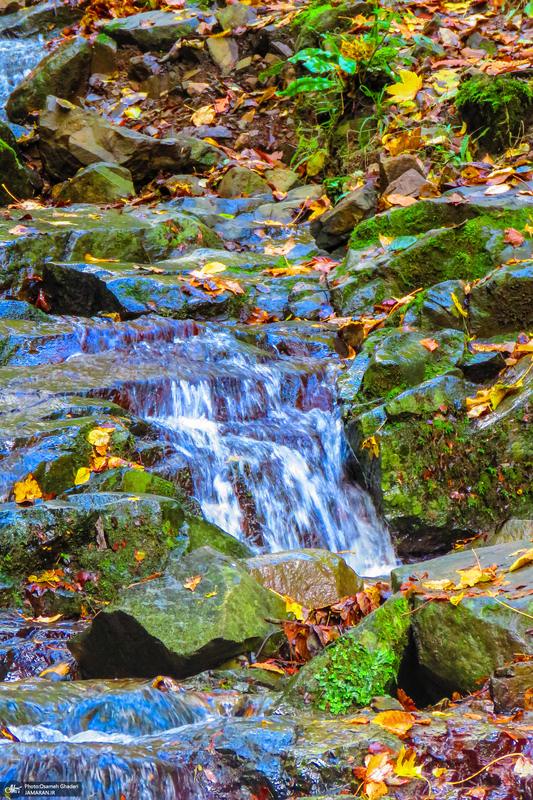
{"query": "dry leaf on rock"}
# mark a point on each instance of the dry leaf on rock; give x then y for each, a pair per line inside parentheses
(82, 476)
(192, 583)
(524, 560)
(27, 491)
(429, 344)
(514, 237)
(204, 116)
(407, 88)
(397, 722)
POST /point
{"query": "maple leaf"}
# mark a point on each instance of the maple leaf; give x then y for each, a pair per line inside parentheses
(397, 722)
(192, 582)
(268, 666)
(400, 200)
(407, 89)
(406, 767)
(27, 491)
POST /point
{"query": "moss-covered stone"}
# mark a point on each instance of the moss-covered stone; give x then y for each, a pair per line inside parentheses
(98, 183)
(503, 302)
(460, 645)
(311, 577)
(494, 107)
(224, 603)
(362, 663)
(14, 175)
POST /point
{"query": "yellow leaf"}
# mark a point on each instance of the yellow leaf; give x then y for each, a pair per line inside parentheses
(524, 561)
(406, 767)
(292, 607)
(406, 89)
(438, 771)
(139, 555)
(82, 476)
(316, 163)
(204, 116)
(58, 669)
(99, 437)
(372, 445)
(213, 267)
(397, 722)
(385, 241)
(192, 583)
(475, 575)
(27, 491)
(458, 305)
(91, 259)
(442, 585)
(456, 599)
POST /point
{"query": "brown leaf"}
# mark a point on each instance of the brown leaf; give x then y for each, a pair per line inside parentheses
(396, 722)
(514, 237)
(192, 583)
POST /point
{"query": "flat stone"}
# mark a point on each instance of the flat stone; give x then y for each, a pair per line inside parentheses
(408, 184)
(390, 169)
(225, 53)
(157, 30)
(334, 227)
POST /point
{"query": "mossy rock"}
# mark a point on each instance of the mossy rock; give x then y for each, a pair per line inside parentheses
(63, 73)
(201, 533)
(225, 603)
(122, 537)
(362, 663)
(14, 175)
(460, 645)
(503, 302)
(494, 107)
(312, 577)
(98, 183)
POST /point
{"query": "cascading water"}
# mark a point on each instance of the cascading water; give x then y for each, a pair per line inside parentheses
(17, 58)
(262, 439)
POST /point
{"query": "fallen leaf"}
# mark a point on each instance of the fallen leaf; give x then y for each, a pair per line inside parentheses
(458, 305)
(456, 599)
(405, 766)
(429, 344)
(523, 767)
(82, 476)
(524, 561)
(372, 445)
(400, 200)
(139, 556)
(406, 89)
(476, 575)
(267, 666)
(27, 491)
(498, 189)
(204, 116)
(99, 437)
(514, 237)
(397, 722)
(192, 583)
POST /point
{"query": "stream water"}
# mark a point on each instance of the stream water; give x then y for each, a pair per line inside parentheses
(251, 415)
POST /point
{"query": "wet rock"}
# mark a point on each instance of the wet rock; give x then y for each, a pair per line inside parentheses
(226, 604)
(69, 291)
(408, 184)
(509, 684)
(64, 73)
(225, 54)
(334, 227)
(305, 302)
(391, 169)
(480, 367)
(427, 398)
(360, 664)
(14, 309)
(157, 30)
(70, 139)
(435, 308)
(104, 61)
(99, 183)
(99, 533)
(401, 360)
(240, 181)
(15, 176)
(235, 16)
(41, 18)
(502, 302)
(7, 136)
(311, 577)
(458, 646)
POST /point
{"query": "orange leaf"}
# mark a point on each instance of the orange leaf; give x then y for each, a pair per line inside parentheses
(429, 344)
(27, 491)
(400, 200)
(514, 237)
(397, 722)
(192, 583)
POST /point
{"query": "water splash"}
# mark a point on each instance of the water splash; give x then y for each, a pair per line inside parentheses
(264, 445)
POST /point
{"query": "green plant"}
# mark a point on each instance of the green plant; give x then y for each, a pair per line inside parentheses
(355, 676)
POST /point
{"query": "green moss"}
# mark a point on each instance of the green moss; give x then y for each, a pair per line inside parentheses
(494, 106)
(355, 677)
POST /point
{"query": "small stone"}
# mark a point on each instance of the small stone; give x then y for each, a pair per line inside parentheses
(235, 16)
(392, 168)
(509, 685)
(282, 179)
(99, 183)
(224, 53)
(334, 227)
(240, 181)
(408, 184)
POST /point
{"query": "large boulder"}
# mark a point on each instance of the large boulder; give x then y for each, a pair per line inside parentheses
(157, 30)
(16, 178)
(98, 183)
(63, 73)
(459, 644)
(502, 302)
(201, 597)
(311, 577)
(70, 138)
(360, 664)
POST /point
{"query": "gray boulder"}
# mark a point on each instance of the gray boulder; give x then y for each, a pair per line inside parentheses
(157, 30)
(334, 227)
(98, 183)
